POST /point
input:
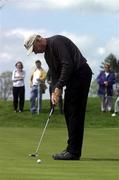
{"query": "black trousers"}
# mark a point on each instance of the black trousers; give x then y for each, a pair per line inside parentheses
(18, 98)
(75, 102)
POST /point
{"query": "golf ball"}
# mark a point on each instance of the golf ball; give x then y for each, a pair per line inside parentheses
(38, 160)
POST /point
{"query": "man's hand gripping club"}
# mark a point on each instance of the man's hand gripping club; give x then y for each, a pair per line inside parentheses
(55, 96)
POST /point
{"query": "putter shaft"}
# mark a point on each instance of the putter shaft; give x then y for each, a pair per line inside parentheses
(36, 152)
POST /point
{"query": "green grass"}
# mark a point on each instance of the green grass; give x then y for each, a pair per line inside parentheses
(100, 158)
(8, 118)
(94, 117)
(20, 133)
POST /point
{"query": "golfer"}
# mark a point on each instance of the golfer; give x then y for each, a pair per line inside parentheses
(68, 68)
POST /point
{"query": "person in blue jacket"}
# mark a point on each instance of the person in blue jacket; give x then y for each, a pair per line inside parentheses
(106, 79)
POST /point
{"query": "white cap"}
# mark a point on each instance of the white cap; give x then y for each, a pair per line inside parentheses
(29, 43)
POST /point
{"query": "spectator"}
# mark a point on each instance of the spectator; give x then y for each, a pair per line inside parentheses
(116, 104)
(38, 87)
(18, 76)
(106, 79)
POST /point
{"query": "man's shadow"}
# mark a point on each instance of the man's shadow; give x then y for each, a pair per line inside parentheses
(100, 159)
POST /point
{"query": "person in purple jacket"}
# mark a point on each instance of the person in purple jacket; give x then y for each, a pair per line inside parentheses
(105, 80)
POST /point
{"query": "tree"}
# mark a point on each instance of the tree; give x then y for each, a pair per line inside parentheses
(5, 85)
(114, 64)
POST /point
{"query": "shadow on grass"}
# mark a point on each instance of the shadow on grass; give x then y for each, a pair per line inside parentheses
(99, 159)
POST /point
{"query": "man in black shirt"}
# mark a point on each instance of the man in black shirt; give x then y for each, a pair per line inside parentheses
(70, 69)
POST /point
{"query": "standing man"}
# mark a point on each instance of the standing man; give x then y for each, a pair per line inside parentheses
(37, 87)
(68, 68)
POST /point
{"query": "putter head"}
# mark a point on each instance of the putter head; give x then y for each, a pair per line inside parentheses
(33, 155)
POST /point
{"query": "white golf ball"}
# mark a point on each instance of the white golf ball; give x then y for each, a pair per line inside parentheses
(38, 160)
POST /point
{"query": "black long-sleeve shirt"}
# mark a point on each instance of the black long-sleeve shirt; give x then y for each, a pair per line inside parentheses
(63, 58)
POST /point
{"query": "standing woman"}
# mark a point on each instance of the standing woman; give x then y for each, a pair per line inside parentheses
(18, 76)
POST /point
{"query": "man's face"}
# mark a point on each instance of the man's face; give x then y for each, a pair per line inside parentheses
(38, 46)
(38, 65)
(107, 68)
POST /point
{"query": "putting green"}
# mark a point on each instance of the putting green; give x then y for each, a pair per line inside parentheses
(100, 157)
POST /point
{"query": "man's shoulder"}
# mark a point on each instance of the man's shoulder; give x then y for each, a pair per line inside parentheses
(56, 38)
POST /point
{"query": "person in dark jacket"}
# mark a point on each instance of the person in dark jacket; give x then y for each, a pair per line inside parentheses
(106, 79)
(68, 68)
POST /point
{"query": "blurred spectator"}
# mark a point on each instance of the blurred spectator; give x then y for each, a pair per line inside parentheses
(18, 76)
(105, 80)
(38, 87)
(116, 104)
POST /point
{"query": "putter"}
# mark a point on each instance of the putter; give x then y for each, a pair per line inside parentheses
(42, 135)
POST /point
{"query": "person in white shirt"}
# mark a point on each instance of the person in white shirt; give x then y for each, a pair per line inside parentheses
(116, 104)
(37, 87)
(18, 76)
